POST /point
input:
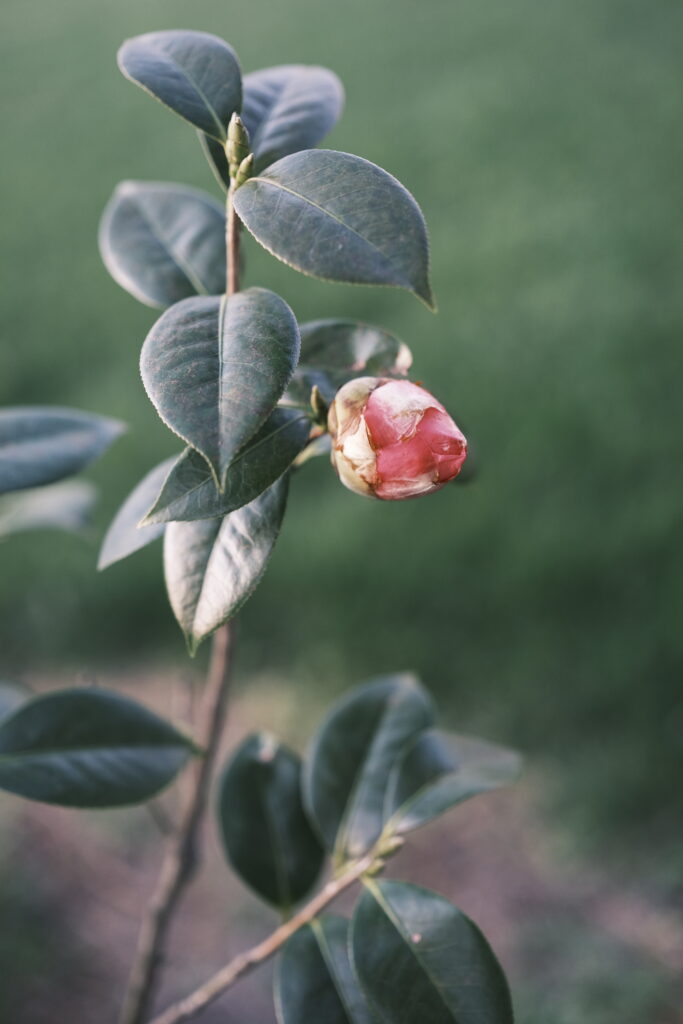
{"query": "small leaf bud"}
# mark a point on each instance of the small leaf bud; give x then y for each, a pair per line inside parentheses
(245, 170)
(237, 148)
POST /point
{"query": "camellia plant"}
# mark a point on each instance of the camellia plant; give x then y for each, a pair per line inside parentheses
(253, 394)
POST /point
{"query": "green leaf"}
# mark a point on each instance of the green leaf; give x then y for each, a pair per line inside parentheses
(349, 346)
(189, 491)
(88, 748)
(285, 109)
(215, 368)
(439, 771)
(335, 351)
(195, 74)
(419, 958)
(351, 758)
(12, 695)
(43, 444)
(266, 834)
(314, 980)
(64, 506)
(338, 217)
(163, 243)
(125, 534)
(213, 565)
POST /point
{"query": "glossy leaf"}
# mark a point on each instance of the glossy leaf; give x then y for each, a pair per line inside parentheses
(335, 351)
(338, 217)
(285, 109)
(189, 491)
(12, 695)
(213, 565)
(314, 980)
(351, 758)
(125, 534)
(64, 506)
(266, 834)
(419, 958)
(215, 368)
(195, 74)
(88, 748)
(163, 243)
(42, 444)
(439, 771)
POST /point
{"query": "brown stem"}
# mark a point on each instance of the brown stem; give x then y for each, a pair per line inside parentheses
(246, 962)
(181, 859)
(232, 241)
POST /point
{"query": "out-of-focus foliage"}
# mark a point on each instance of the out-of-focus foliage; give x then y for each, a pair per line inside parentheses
(542, 141)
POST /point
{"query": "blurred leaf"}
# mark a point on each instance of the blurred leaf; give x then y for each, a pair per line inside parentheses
(285, 109)
(419, 958)
(439, 771)
(351, 758)
(213, 565)
(42, 444)
(267, 836)
(195, 74)
(189, 491)
(125, 535)
(215, 368)
(314, 980)
(88, 748)
(12, 695)
(338, 217)
(64, 506)
(350, 346)
(163, 243)
(335, 351)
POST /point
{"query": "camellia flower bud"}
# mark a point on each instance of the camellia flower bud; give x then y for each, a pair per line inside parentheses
(391, 439)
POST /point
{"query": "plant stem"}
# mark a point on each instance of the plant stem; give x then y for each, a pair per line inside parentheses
(181, 859)
(232, 244)
(244, 963)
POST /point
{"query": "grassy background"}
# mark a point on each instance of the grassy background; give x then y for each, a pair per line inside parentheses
(542, 139)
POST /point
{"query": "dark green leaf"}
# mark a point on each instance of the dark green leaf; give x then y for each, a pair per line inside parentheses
(349, 346)
(419, 959)
(285, 109)
(195, 74)
(64, 506)
(189, 491)
(42, 444)
(288, 108)
(213, 565)
(125, 535)
(88, 748)
(314, 980)
(339, 217)
(335, 351)
(214, 152)
(266, 833)
(351, 758)
(163, 243)
(215, 368)
(439, 771)
(11, 696)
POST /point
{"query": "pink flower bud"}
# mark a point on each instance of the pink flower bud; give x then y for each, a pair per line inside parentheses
(391, 439)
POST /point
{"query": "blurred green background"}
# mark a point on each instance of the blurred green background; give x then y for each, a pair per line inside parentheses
(543, 602)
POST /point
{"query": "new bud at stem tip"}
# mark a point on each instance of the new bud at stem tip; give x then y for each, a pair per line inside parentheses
(392, 440)
(238, 147)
